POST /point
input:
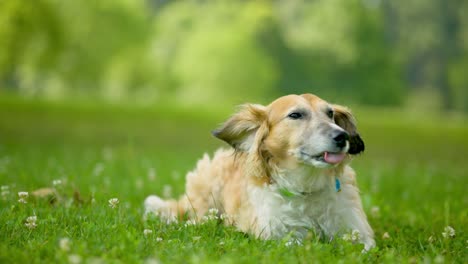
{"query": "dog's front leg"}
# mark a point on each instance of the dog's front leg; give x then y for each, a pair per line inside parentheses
(355, 219)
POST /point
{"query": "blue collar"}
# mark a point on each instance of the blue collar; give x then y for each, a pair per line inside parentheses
(337, 185)
(286, 193)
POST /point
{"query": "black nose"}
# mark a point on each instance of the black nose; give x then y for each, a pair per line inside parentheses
(340, 138)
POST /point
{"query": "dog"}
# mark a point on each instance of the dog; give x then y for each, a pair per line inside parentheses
(286, 174)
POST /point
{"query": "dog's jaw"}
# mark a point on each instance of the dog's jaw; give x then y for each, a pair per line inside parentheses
(304, 173)
(318, 160)
(303, 178)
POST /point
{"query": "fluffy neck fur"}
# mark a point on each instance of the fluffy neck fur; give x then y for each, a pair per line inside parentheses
(304, 179)
(300, 179)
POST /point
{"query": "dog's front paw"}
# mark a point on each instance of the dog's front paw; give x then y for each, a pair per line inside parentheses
(356, 236)
(369, 244)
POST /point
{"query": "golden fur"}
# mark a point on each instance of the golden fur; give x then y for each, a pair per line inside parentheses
(293, 144)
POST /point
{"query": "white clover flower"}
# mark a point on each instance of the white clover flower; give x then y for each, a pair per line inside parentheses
(449, 232)
(227, 218)
(151, 261)
(190, 222)
(31, 222)
(431, 239)
(213, 211)
(353, 236)
(5, 191)
(293, 242)
(385, 235)
(167, 191)
(151, 174)
(107, 154)
(23, 196)
(74, 259)
(98, 169)
(175, 175)
(211, 215)
(139, 183)
(57, 182)
(346, 237)
(65, 244)
(159, 239)
(439, 259)
(375, 211)
(147, 232)
(208, 218)
(113, 203)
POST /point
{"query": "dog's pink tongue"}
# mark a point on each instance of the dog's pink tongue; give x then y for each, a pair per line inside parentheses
(334, 158)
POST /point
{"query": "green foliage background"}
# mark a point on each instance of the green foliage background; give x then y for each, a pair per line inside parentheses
(196, 52)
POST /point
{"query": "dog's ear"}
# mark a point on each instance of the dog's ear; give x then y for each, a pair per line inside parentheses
(346, 120)
(240, 131)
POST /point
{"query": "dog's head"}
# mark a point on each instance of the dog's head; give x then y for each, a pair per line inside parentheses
(294, 130)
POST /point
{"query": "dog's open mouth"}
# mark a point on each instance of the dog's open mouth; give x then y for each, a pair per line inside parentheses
(330, 157)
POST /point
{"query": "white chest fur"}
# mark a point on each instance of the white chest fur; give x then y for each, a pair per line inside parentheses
(278, 215)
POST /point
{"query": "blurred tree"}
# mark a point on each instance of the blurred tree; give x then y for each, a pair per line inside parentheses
(100, 34)
(427, 36)
(211, 52)
(345, 57)
(457, 77)
(59, 48)
(372, 51)
(31, 37)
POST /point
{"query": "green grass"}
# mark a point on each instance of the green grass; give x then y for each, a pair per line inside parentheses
(413, 178)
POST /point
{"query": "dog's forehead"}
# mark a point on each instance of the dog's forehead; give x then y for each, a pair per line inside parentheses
(288, 102)
(314, 100)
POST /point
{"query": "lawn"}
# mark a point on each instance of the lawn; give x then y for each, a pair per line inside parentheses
(413, 179)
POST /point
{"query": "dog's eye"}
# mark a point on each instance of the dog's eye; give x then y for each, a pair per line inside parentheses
(295, 115)
(330, 113)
